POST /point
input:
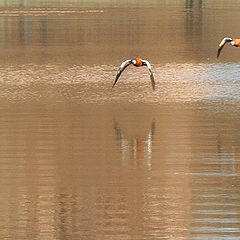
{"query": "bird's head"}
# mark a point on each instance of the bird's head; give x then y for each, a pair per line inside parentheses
(133, 61)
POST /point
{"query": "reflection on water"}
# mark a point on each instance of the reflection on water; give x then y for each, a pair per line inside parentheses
(134, 3)
(66, 174)
(80, 160)
(137, 148)
(83, 36)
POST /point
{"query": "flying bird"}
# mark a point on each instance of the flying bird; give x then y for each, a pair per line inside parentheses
(137, 62)
(233, 42)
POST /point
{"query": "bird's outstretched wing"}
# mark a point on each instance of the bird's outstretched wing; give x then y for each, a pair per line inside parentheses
(221, 45)
(120, 70)
(150, 72)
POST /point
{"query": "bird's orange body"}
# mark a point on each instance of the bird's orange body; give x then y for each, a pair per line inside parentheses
(138, 63)
(236, 42)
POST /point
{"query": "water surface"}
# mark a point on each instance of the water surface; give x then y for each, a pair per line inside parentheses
(80, 160)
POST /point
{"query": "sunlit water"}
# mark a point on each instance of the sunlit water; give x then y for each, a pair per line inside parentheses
(175, 83)
(82, 160)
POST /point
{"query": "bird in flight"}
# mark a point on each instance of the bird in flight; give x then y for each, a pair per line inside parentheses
(137, 62)
(233, 42)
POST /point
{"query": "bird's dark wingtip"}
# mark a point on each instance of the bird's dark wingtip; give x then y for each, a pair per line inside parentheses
(219, 51)
(115, 80)
(152, 81)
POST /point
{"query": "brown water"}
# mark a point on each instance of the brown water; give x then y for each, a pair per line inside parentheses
(80, 160)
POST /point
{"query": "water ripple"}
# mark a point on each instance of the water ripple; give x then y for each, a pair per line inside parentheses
(16, 12)
(179, 83)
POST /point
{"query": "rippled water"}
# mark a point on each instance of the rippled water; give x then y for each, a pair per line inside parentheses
(203, 83)
(82, 160)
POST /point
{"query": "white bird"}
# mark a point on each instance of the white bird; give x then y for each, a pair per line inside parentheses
(137, 62)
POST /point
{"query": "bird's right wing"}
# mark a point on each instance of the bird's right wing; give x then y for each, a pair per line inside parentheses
(121, 68)
(150, 72)
(221, 45)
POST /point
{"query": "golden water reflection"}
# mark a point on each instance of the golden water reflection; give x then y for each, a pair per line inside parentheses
(106, 179)
(81, 35)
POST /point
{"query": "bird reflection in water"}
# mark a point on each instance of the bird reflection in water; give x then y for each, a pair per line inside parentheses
(137, 148)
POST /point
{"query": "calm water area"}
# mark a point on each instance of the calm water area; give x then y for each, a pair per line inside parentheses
(80, 160)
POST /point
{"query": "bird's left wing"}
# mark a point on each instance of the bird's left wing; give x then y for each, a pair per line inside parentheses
(120, 70)
(221, 45)
(150, 72)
